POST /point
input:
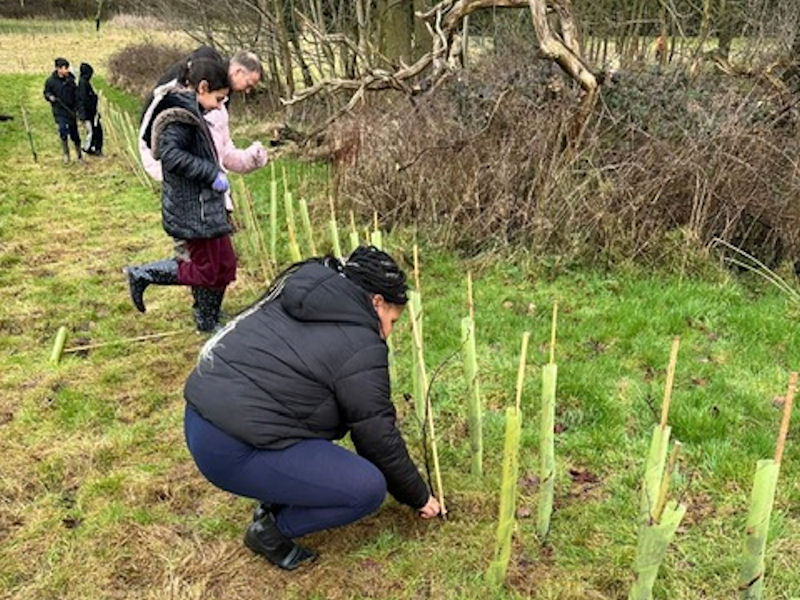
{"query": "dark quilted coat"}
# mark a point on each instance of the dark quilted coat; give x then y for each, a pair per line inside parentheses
(179, 137)
(309, 364)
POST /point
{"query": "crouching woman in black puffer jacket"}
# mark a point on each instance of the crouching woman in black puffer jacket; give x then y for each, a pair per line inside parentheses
(300, 368)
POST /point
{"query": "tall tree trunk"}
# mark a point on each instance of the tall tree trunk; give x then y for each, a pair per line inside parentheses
(422, 39)
(555, 49)
(294, 38)
(283, 44)
(396, 30)
(726, 26)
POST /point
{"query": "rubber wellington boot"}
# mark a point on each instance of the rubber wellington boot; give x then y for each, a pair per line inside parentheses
(78, 152)
(160, 272)
(65, 151)
(206, 308)
(263, 509)
(263, 537)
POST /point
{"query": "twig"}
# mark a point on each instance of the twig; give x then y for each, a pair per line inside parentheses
(141, 338)
(458, 143)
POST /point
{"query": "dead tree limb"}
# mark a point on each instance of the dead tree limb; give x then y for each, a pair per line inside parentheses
(444, 22)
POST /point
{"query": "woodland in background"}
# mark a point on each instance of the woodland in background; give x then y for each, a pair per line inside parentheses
(496, 138)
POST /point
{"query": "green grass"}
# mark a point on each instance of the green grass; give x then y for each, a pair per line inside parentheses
(100, 498)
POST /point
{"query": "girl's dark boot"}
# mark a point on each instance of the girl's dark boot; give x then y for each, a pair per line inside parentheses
(65, 151)
(206, 308)
(160, 272)
(263, 537)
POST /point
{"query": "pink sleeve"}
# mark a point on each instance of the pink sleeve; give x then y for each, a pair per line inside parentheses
(150, 164)
(230, 157)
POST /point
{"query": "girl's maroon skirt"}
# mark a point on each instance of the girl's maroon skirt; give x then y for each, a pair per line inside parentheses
(211, 263)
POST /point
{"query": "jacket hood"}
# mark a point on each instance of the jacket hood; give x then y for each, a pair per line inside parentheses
(169, 96)
(319, 294)
(186, 99)
(86, 70)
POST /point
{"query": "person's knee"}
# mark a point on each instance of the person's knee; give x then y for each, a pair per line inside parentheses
(373, 491)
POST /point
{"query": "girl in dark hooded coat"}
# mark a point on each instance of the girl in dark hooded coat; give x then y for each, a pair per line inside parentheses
(86, 101)
(192, 196)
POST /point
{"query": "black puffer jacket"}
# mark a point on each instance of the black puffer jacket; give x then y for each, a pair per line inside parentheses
(309, 365)
(64, 90)
(86, 98)
(179, 137)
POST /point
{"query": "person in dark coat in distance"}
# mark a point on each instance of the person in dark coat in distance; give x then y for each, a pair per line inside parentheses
(192, 196)
(302, 367)
(60, 91)
(86, 104)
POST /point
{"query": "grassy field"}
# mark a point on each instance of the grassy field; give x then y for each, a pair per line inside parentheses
(100, 499)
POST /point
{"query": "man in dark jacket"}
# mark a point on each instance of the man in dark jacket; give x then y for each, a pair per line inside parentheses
(302, 367)
(60, 91)
(87, 112)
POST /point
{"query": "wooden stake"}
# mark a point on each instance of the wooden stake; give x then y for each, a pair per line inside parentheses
(553, 334)
(428, 408)
(521, 372)
(673, 359)
(787, 413)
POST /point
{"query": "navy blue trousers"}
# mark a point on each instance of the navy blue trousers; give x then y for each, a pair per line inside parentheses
(68, 127)
(319, 484)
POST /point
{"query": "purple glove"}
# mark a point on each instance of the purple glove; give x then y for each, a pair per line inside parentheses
(220, 183)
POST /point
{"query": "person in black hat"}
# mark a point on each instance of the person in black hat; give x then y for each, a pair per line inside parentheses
(60, 91)
(301, 367)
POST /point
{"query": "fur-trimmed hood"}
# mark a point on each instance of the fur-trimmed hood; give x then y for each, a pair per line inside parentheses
(178, 107)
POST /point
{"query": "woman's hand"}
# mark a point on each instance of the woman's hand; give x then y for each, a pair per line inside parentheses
(431, 509)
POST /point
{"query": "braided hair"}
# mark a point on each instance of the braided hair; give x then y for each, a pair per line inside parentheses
(376, 272)
(371, 269)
